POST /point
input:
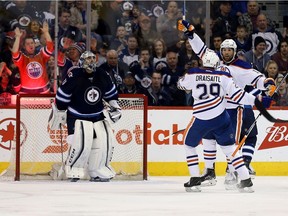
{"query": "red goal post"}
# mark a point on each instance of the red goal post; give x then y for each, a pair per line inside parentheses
(38, 148)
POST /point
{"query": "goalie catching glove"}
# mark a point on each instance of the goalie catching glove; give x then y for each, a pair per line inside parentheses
(115, 111)
(57, 117)
(184, 26)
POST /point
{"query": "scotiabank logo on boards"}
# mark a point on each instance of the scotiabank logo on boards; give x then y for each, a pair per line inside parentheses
(124, 136)
(277, 136)
(158, 136)
(58, 137)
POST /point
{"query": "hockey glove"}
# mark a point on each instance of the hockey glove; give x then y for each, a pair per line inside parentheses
(114, 111)
(270, 86)
(184, 26)
(56, 118)
(115, 114)
(179, 86)
(266, 101)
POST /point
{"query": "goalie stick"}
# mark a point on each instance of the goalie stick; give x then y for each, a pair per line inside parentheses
(60, 171)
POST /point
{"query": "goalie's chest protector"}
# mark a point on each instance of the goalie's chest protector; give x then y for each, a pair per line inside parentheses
(89, 91)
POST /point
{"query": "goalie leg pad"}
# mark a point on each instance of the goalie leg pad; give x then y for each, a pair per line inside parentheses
(101, 153)
(80, 149)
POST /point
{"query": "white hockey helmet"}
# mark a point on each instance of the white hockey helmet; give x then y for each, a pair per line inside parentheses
(229, 43)
(88, 61)
(210, 59)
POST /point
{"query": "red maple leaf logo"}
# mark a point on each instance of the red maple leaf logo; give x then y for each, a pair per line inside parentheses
(7, 135)
(277, 136)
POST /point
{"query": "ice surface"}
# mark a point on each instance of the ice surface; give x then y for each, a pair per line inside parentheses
(157, 196)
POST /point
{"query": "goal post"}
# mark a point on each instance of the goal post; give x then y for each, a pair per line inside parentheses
(38, 148)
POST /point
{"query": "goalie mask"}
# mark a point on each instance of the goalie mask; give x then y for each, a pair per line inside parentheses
(87, 61)
(210, 59)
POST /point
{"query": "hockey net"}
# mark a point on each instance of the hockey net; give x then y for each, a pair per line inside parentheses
(37, 150)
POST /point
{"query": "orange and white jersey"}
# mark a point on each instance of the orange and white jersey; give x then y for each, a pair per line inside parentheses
(33, 73)
(209, 88)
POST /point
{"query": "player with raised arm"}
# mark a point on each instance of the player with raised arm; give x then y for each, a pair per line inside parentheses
(210, 120)
(89, 134)
(243, 75)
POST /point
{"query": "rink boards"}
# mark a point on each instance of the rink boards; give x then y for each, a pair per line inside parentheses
(167, 157)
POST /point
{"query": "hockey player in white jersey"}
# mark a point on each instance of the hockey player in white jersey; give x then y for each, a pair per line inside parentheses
(210, 120)
(243, 75)
(90, 136)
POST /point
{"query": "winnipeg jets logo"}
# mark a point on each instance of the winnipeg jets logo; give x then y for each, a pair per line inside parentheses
(92, 95)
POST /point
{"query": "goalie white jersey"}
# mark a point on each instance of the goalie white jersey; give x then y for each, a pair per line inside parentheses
(209, 89)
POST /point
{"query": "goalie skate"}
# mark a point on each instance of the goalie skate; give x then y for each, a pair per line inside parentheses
(208, 178)
(193, 185)
(231, 180)
(98, 179)
(74, 179)
(245, 186)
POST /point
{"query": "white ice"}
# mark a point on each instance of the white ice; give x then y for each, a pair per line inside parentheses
(158, 196)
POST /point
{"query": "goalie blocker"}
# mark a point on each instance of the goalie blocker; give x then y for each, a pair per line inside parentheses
(92, 149)
(57, 117)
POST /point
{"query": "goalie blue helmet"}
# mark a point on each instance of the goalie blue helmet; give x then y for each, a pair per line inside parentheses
(88, 61)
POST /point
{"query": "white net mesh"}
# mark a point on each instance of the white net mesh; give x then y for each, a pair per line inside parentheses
(41, 148)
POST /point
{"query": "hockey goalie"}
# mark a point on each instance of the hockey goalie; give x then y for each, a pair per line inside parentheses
(79, 101)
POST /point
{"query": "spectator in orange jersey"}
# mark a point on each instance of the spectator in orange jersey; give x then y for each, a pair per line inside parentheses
(32, 64)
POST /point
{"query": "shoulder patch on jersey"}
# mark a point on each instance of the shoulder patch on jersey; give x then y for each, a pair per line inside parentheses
(208, 72)
(242, 64)
(224, 73)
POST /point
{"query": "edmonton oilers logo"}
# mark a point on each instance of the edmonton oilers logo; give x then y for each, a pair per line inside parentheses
(34, 70)
(92, 95)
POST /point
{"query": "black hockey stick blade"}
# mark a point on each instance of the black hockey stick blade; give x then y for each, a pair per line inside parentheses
(170, 135)
(265, 113)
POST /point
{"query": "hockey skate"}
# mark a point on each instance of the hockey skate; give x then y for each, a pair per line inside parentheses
(245, 186)
(74, 179)
(193, 185)
(208, 178)
(231, 180)
(98, 179)
(252, 172)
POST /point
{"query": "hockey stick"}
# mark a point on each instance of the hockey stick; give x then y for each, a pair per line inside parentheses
(262, 109)
(184, 10)
(62, 169)
(174, 133)
(245, 136)
(58, 173)
(265, 113)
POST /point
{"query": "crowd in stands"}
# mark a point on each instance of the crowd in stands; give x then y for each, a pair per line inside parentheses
(136, 42)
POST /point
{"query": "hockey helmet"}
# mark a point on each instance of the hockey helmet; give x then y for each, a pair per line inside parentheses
(228, 43)
(88, 61)
(210, 59)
